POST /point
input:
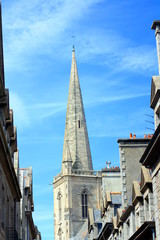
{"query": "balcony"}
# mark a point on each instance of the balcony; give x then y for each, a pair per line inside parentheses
(11, 234)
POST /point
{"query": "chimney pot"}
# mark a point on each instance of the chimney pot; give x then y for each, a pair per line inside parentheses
(130, 135)
(134, 136)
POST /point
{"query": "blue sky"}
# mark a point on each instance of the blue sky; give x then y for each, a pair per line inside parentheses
(116, 56)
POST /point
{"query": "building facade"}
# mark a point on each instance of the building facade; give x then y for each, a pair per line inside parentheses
(130, 151)
(11, 195)
(138, 218)
(27, 228)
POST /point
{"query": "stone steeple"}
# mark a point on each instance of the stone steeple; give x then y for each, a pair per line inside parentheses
(76, 149)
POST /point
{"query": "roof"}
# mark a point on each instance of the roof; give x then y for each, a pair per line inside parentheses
(116, 198)
(97, 215)
(126, 213)
(155, 23)
(108, 197)
(133, 140)
(152, 151)
(136, 194)
(94, 216)
(146, 180)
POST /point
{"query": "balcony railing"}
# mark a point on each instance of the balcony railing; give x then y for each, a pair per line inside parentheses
(87, 172)
(11, 234)
(81, 172)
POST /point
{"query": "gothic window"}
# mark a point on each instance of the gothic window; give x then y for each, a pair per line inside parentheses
(60, 205)
(84, 199)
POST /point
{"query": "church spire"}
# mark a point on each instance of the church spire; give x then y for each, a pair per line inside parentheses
(76, 140)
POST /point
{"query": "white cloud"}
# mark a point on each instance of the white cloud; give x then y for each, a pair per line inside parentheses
(121, 97)
(45, 110)
(36, 28)
(116, 51)
(21, 115)
(25, 114)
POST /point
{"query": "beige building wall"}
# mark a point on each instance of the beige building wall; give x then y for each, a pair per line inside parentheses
(68, 191)
(130, 151)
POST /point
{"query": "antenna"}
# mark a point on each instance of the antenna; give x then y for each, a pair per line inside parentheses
(149, 121)
(149, 115)
(108, 163)
(150, 128)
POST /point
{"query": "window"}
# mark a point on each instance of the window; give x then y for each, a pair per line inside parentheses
(79, 124)
(146, 208)
(60, 205)
(116, 206)
(137, 220)
(84, 204)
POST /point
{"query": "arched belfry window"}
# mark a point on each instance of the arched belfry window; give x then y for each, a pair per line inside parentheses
(84, 199)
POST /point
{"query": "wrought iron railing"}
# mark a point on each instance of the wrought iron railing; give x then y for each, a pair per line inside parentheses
(11, 234)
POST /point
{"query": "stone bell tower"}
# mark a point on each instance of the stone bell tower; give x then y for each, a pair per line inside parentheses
(77, 187)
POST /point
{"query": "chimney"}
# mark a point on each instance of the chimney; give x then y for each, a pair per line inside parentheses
(130, 135)
(134, 136)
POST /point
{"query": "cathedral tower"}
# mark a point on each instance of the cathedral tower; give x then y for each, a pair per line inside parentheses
(77, 187)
